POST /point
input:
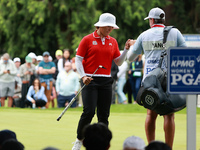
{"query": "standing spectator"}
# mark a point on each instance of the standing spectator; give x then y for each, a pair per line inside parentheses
(39, 59)
(26, 71)
(97, 137)
(66, 57)
(121, 75)
(8, 72)
(59, 55)
(135, 73)
(36, 96)
(114, 71)
(46, 71)
(133, 143)
(92, 51)
(67, 85)
(17, 62)
(147, 42)
(127, 90)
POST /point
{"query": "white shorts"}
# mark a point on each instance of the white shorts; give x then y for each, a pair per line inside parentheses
(7, 89)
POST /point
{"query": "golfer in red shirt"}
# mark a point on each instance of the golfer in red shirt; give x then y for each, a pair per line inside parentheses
(97, 48)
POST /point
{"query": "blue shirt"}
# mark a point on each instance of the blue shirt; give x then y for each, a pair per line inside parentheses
(46, 65)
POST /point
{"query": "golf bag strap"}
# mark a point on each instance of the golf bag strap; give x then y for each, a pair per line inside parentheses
(165, 34)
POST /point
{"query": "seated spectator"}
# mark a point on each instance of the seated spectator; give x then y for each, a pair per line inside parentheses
(6, 135)
(17, 95)
(12, 144)
(157, 145)
(133, 143)
(97, 137)
(67, 85)
(36, 96)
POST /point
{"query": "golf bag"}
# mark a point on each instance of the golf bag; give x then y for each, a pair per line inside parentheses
(153, 93)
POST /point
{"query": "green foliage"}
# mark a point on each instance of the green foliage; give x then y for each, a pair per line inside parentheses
(48, 25)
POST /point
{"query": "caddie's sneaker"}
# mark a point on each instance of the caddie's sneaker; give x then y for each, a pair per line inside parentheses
(77, 145)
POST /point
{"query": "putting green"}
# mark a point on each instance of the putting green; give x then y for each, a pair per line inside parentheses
(38, 128)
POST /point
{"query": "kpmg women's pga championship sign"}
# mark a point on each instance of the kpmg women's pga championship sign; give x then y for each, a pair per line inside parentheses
(184, 71)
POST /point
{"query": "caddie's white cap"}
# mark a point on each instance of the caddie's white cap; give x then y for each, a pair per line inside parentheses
(16, 59)
(155, 13)
(134, 142)
(106, 19)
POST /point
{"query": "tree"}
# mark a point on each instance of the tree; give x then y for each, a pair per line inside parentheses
(48, 25)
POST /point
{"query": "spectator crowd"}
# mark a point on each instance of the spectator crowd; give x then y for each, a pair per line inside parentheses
(40, 80)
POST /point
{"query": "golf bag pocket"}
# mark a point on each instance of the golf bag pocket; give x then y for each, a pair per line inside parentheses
(152, 95)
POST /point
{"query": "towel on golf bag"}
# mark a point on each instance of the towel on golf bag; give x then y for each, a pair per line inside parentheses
(154, 96)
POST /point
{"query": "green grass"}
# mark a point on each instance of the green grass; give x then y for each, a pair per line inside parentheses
(38, 128)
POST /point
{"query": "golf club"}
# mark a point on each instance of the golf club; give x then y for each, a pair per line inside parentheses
(74, 98)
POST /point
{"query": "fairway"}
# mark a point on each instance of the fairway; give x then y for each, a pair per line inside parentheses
(38, 128)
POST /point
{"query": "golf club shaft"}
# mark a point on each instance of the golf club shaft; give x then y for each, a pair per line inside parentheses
(72, 101)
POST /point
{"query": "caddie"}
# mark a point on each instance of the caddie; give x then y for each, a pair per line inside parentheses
(151, 43)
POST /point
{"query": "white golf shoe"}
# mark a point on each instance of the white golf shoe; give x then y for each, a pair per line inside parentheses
(77, 145)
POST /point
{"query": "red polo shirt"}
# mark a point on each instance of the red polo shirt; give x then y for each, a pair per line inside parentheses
(97, 52)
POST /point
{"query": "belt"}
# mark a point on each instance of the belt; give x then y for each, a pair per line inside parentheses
(24, 82)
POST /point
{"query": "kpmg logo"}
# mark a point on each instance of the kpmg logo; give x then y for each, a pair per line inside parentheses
(182, 69)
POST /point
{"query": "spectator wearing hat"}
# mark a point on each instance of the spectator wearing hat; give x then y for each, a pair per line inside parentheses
(17, 62)
(92, 51)
(34, 58)
(27, 71)
(46, 71)
(133, 143)
(61, 62)
(59, 55)
(8, 72)
(146, 42)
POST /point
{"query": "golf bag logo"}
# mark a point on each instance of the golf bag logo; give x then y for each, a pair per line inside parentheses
(149, 99)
